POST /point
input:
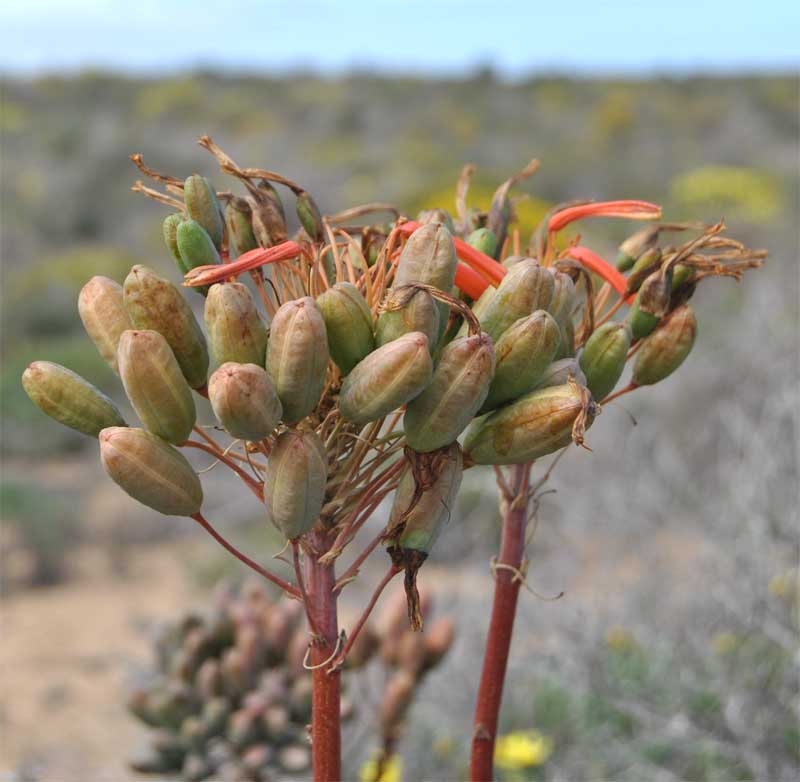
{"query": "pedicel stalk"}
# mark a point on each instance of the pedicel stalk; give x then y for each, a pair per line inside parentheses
(348, 370)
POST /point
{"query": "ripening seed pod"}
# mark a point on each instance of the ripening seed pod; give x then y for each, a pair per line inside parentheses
(155, 385)
(636, 244)
(651, 304)
(102, 309)
(244, 400)
(437, 216)
(527, 287)
(648, 262)
(348, 323)
(483, 240)
(566, 348)
(235, 329)
(69, 399)
(523, 353)
(386, 379)
(563, 302)
(535, 425)
(309, 216)
(681, 274)
(429, 257)
(169, 230)
(666, 348)
(424, 520)
(419, 313)
(603, 357)
(297, 357)
(240, 229)
(560, 371)
(203, 207)
(456, 392)
(151, 471)
(267, 216)
(294, 482)
(156, 304)
(195, 245)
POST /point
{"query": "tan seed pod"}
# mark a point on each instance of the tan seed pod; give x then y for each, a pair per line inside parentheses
(420, 313)
(297, 357)
(294, 483)
(244, 400)
(386, 379)
(69, 399)
(235, 330)
(456, 392)
(151, 471)
(564, 297)
(537, 424)
(102, 310)
(155, 385)
(156, 304)
(666, 348)
(523, 352)
(527, 287)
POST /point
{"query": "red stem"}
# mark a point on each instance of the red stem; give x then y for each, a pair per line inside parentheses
(498, 641)
(325, 715)
(277, 580)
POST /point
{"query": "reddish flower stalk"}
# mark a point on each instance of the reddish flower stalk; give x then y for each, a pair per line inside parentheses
(631, 210)
(206, 275)
(508, 581)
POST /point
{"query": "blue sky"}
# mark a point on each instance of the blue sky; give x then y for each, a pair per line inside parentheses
(448, 37)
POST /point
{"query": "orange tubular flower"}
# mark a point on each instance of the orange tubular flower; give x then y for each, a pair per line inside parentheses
(206, 275)
(632, 210)
(469, 281)
(594, 263)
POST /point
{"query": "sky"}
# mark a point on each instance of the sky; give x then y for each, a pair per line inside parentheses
(449, 37)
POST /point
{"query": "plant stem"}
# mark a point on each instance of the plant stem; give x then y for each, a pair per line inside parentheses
(498, 641)
(325, 715)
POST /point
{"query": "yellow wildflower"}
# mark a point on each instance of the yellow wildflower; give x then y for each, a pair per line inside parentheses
(392, 769)
(785, 585)
(620, 640)
(522, 749)
(724, 643)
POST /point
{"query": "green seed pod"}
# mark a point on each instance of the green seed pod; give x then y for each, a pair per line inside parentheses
(66, 396)
(560, 371)
(527, 287)
(564, 296)
(437, 216)
(524, 352)
(429, 257)
(681, 274)
(649, 262)
(244, 400)
(456, 392)
(535, 425)
(203, 207)
(151, 471)
(666, 348)
(484, 240)
(294, 482)
(651, 304)
(424, 514)
(348, 322)
(156, 304)
(169, 230)
(566, 348)
(309, 216)
(102, 309)
(387, 378)
(420, 313)
(155, 385)
(241, 238)
(297, 357)
(195, 245)
(235, 329)
(636, 244)
(603, 357)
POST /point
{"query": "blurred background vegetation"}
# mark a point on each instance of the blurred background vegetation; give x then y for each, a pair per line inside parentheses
(673, 654)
